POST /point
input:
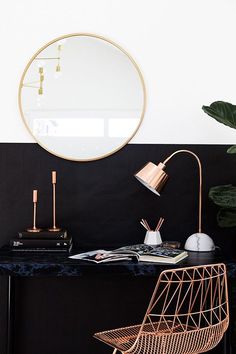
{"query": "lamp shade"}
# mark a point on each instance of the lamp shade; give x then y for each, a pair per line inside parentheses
(153, 177)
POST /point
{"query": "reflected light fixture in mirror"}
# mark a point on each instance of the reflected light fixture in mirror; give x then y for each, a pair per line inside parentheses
(82, 97)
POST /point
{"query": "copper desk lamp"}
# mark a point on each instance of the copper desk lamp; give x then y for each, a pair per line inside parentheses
(154, 178)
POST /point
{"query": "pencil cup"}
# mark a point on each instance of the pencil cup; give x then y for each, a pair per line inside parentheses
(153, 238)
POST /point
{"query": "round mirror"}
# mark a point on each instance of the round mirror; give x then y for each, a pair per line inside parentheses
(82, 97)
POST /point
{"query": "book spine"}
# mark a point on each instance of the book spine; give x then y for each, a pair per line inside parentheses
(62, 249)
(60, 235)
(24, 243)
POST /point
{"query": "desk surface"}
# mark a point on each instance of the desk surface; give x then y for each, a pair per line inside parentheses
(58, 264)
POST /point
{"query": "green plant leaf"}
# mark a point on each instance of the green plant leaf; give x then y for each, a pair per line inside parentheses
(232, 150)
(224, 196)
(223, 112)
(226, 217)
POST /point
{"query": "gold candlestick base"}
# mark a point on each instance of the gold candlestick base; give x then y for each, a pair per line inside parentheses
(54, 229)
(34, 230)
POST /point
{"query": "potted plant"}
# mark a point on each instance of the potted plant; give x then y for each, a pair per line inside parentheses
(224, 196)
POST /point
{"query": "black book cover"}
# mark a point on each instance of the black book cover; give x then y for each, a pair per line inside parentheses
(42, 249)
(48, 235)
(40, 243)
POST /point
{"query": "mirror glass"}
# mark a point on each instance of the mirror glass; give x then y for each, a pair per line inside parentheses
(82, 97)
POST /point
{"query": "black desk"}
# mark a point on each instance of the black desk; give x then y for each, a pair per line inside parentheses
(17, 264)
(58, 264)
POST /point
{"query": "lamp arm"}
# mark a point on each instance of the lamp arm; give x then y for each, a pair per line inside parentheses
(200, 183)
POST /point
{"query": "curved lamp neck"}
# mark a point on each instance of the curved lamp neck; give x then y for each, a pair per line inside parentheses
(200, 182)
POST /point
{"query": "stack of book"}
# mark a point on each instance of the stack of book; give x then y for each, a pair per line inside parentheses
(43, 241)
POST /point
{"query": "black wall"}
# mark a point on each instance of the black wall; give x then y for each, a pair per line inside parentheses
(100, 203)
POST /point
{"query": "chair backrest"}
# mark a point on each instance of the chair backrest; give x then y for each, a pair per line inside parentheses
(187, 299)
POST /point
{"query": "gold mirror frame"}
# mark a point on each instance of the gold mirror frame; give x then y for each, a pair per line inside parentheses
(108, 41)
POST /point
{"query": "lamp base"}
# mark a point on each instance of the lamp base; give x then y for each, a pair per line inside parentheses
(199, 242)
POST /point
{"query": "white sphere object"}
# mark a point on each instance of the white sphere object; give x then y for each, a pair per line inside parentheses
(199, 242)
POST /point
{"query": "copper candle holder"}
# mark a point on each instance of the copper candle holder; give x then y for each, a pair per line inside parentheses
(35, 200)
(54, 181)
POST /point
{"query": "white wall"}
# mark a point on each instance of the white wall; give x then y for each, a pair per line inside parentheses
(185, 48)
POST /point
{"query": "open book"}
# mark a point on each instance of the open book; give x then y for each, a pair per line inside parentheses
(140, 253)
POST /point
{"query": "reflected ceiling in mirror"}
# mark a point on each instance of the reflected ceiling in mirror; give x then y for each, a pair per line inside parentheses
(82, 97)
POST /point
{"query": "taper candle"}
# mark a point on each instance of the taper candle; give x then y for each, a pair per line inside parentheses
(35, 196)
(35, 200)
(54, 180)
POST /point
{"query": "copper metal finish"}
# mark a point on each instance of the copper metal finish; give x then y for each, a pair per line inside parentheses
(54, 181)
(200, 183)
(35, 200)
(153, 177)
(188, 314)
(54, 177)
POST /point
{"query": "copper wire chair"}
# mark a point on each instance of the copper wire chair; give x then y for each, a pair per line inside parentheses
(188, 314)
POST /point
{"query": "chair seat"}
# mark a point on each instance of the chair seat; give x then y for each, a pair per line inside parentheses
(187, 314)
(124, 338)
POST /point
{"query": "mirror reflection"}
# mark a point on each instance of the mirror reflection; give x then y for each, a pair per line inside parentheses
(82, 97)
